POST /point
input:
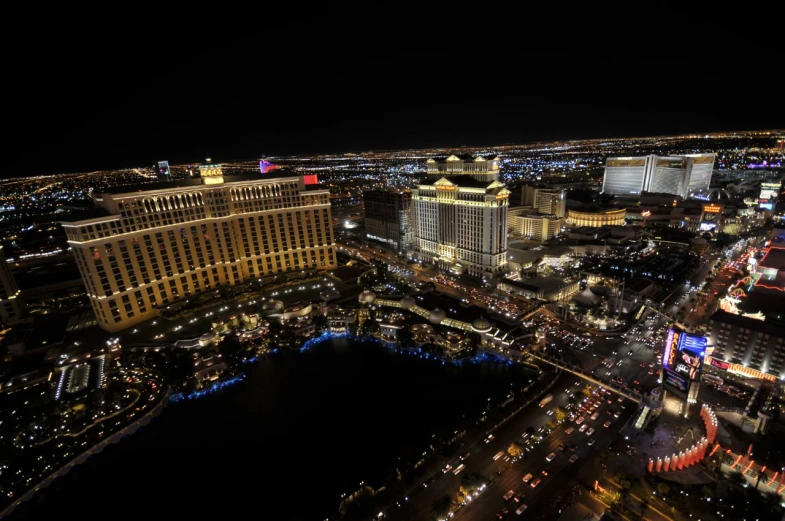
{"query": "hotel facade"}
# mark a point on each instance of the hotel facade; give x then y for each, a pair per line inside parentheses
(678, 175)
(155, 244)
(460, 216)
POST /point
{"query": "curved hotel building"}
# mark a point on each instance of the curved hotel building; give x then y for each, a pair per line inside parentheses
(677, 175)
(149, 245)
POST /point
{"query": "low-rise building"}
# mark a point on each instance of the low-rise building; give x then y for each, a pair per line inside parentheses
(596, 217)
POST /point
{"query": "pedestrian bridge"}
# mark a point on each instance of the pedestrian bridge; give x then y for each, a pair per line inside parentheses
(586, 375)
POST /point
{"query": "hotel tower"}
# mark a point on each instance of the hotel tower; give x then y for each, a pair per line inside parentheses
(460, 216)
(149, 245)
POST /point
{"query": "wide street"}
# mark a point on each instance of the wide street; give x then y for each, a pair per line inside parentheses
(480, 457)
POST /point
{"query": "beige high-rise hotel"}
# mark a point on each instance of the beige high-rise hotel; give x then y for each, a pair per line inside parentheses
(147, 246)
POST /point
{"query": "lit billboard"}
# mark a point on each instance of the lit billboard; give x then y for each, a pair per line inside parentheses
(682, 360)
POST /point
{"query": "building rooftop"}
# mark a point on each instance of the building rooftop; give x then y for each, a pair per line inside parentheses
(466, 180)
(760, 326)
(195, 181)
(84, 215)
(42, 332)
(466, 157)
(775, 258)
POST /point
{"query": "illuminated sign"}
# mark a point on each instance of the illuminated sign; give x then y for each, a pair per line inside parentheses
(769, 190)
(672, 163)
(625, 162)
(719, 363)
(705, 227)
(712, 208)
(766, 206)
(682, 360)
(310, 179)
(702, 160)
(675, 380)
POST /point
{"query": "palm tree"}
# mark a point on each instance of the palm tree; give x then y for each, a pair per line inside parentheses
(736, 479)
(441, 507)
(761, 475)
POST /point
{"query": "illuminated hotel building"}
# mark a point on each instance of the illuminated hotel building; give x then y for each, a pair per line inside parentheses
(550, 202)
(746, 346)
(460, 216)
(154, 244)
(535, 226)
(10, 308)
(677, 175)
(596, 217)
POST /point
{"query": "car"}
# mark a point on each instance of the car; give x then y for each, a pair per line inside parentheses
(569, 430)
(591, 442)
(617, 415)
(447, 468)
(459, 469)
(562, 447)
(508, 495)
(501, 514)
(516, 498)
(544, 472)
(583, 427)
(606, 424)
(536, 482)
(580, 420)
(550, 457)
(590, 431)
(550, 412)
(498, 455)
(489, 438)
(522, 509)
(527, 478)
(466, 456)
(595, 416)
(574, 457)
(636, 382)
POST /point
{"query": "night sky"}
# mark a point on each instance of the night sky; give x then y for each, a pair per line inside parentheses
(116, 97)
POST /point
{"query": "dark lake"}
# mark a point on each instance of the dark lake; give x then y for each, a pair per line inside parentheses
(285, 443)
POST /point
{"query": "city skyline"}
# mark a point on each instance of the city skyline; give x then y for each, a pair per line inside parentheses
(99, 101)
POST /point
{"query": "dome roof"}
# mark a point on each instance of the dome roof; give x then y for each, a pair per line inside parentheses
(367, 297)
(481, 325)
(718, 194)
(408, 302)
(436, 316)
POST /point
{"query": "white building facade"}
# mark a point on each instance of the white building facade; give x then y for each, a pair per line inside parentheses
(460, 220)
(678, 175)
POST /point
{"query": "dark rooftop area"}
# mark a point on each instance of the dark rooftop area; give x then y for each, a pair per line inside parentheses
(83, 215)
(451, 306)
(195, 181)
(760, 326)
(775, 258)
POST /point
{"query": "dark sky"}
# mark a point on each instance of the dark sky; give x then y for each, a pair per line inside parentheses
(127, 96)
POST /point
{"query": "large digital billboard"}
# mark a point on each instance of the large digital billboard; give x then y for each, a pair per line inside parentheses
(683, 359)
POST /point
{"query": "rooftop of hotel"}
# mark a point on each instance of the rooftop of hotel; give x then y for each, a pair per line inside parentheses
(196, 181)
(464, 157)
(761, 326)
(775, 258)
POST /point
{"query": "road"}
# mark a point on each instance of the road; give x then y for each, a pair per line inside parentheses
(480, 459)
